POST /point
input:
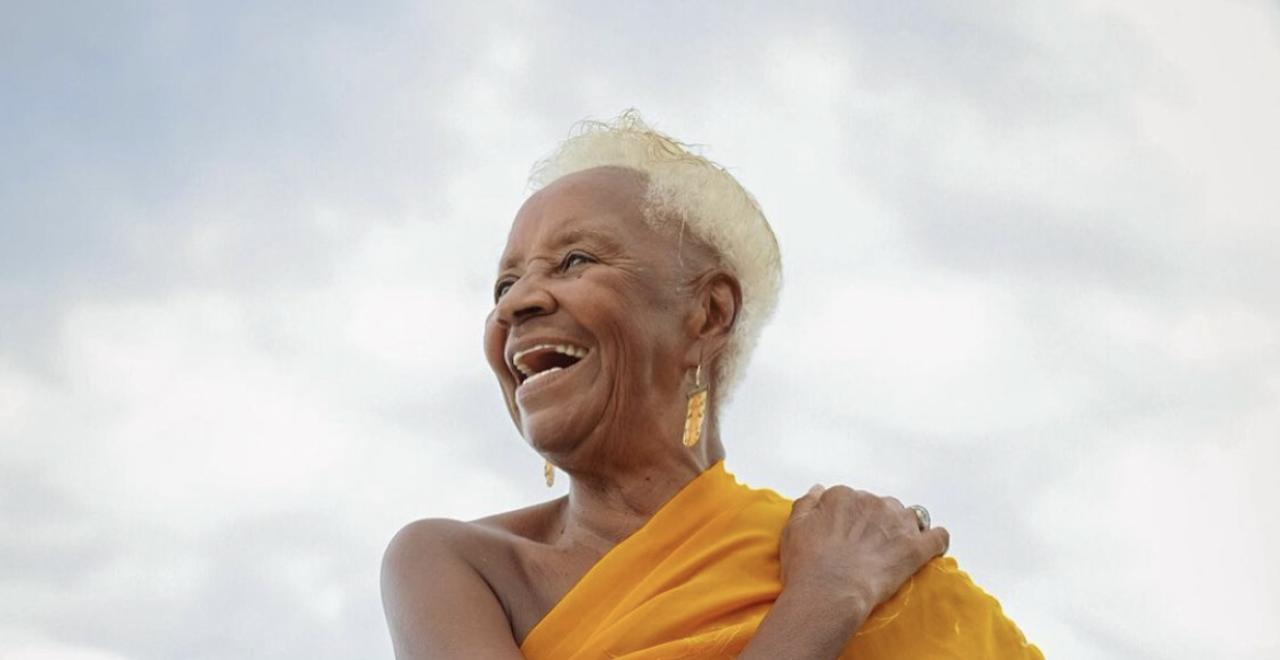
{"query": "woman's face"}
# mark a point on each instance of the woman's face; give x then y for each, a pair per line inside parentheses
(588, 335)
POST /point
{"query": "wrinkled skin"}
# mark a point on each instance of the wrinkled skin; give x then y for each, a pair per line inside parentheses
(583, 267)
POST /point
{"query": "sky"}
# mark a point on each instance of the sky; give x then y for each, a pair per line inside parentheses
(246, 251)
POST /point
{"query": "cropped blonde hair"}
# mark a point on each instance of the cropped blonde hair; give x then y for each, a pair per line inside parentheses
(709, 203)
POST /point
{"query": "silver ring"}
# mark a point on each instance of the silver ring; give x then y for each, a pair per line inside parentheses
(922, 516)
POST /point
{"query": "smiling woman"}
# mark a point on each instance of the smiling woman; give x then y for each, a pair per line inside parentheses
(633, 285)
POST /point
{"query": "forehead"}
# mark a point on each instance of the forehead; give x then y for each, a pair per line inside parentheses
(601, 204)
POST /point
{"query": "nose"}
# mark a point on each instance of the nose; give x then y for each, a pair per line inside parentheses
(528, 297)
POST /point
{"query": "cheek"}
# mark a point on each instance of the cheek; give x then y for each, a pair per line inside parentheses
(640, 346)
(495, 339)
(638, 316)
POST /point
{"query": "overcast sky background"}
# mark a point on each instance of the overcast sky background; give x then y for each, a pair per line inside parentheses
(246, 252)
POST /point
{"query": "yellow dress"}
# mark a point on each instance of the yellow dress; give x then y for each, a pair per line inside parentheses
(698, 577)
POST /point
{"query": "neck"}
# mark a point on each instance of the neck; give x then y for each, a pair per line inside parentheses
(612, 500)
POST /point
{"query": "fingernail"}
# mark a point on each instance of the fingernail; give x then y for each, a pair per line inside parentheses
(816, 488)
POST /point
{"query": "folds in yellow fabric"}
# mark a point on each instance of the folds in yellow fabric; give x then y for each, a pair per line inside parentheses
(696, 580)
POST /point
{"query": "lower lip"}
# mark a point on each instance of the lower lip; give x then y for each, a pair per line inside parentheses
(525, 388)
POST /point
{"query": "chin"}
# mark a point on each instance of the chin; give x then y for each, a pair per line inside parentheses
(553, 430)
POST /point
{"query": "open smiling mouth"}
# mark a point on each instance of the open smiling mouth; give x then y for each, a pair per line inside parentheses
(542, 360)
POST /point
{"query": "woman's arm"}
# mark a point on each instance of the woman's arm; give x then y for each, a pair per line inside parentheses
(437, 605)
(805, 625)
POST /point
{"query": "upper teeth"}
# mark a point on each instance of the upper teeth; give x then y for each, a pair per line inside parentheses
(567, 349)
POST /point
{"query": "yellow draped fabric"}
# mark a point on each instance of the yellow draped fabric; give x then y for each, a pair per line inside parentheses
(696, 580)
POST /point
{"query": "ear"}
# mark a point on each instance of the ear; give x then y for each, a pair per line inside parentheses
(718, 297)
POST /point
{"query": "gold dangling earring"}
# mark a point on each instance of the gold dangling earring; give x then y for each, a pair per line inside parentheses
(697, 411)
(550, 473)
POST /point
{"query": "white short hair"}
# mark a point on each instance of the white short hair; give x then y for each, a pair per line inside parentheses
(711, 205)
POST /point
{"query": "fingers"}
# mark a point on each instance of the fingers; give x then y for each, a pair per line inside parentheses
(838, 490)
(935, 541)
(938, 540)
(805, 503)
(906, 515)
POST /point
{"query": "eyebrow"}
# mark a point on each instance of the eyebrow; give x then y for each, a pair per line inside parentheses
(570, 237)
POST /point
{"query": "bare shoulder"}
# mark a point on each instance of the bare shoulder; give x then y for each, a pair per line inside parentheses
(423, 540)
(427, 560)
(437, 602)
(532, 522)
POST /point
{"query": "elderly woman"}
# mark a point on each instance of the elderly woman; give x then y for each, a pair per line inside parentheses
(632, 288)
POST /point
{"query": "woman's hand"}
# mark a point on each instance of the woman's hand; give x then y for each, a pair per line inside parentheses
(842, 546)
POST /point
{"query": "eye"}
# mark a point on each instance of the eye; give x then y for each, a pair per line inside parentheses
(574, 259)
(501, 288)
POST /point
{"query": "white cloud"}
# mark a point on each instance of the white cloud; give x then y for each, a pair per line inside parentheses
(1154, 538)
(17, 646)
